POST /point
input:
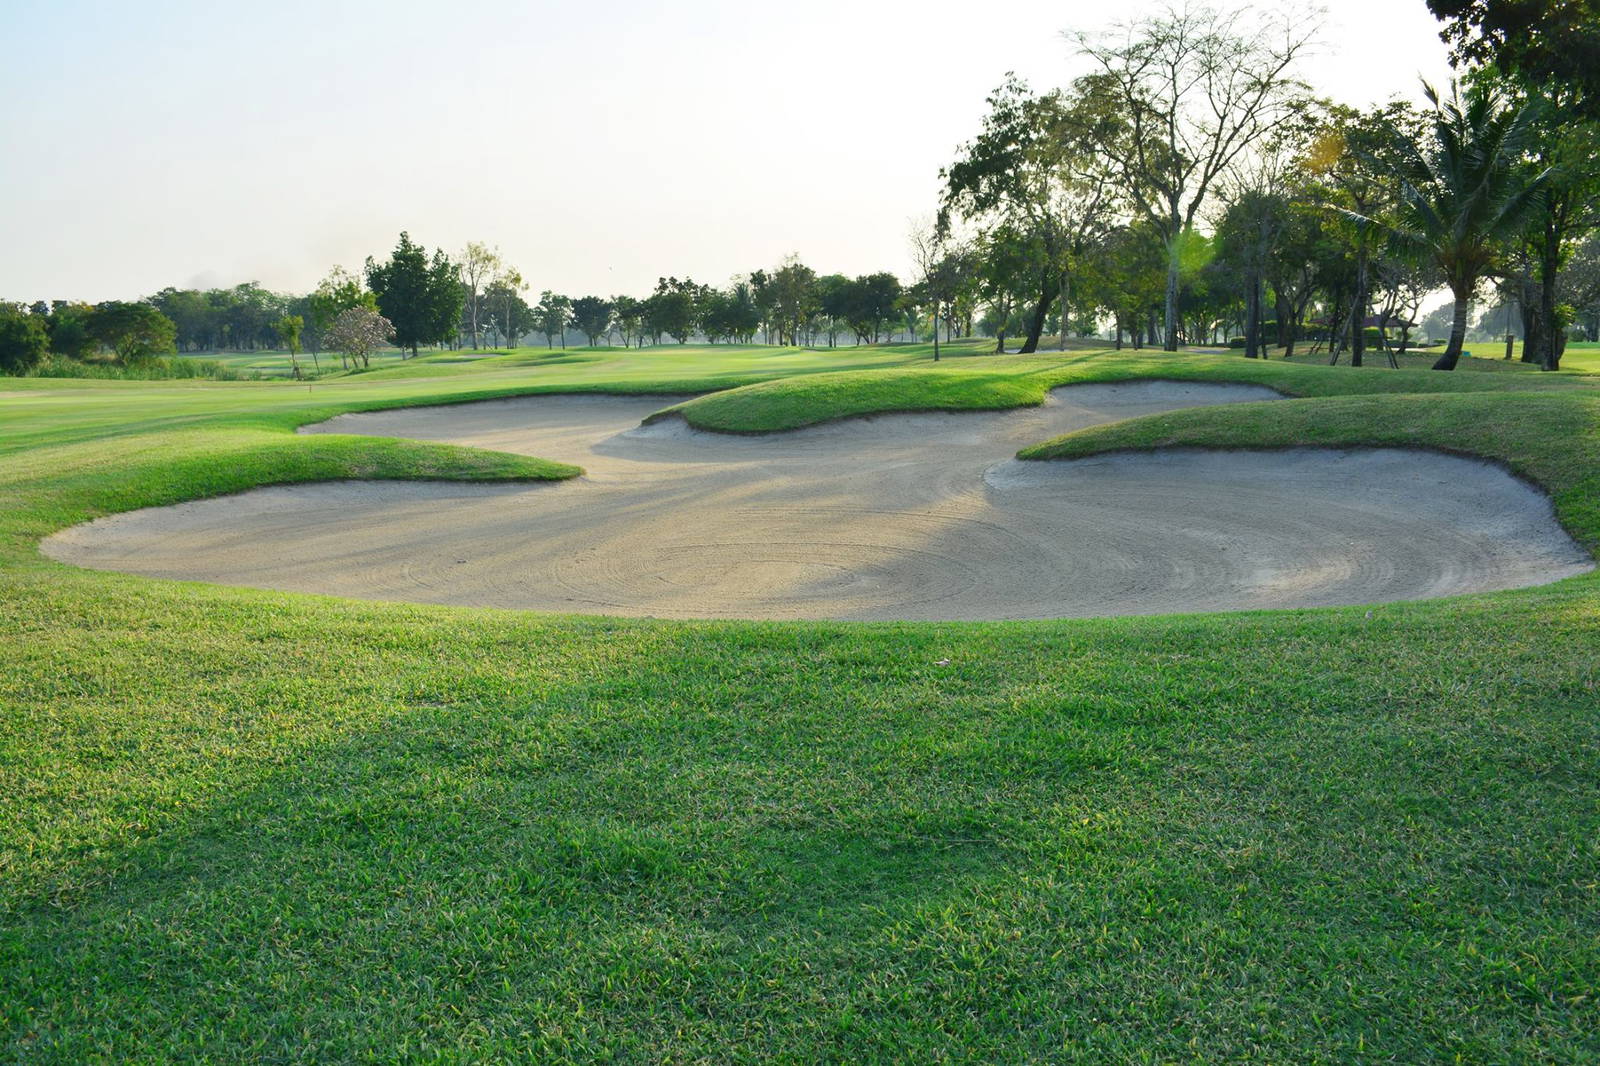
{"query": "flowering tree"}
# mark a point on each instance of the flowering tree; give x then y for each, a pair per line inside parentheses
(355, 332)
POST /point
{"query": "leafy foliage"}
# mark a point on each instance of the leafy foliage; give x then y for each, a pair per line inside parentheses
(24, 341)
(419, 295)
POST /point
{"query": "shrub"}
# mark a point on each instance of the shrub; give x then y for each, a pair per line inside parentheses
(1236, 342)
(150, 368)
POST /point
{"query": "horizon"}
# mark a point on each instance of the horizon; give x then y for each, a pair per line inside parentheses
(579, 171)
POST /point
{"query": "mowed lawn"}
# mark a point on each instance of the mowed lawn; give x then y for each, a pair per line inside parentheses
(253, 826)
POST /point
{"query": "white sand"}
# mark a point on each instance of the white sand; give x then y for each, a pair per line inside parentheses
(891, 517)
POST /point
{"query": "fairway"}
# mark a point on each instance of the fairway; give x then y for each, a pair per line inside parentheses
(898, 517)
(258, 824)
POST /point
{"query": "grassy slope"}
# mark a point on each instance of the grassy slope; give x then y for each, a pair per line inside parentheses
(247, 824)
(978, 383)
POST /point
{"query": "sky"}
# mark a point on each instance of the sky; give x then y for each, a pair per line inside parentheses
(598, 144)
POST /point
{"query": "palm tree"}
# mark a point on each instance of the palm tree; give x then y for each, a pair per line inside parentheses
(1465, 188)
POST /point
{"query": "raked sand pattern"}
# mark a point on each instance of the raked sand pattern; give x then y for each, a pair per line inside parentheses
(896, 516)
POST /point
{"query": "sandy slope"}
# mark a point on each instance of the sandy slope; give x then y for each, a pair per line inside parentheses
(898, 516)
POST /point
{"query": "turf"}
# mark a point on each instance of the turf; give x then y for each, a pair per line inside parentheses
(994, 383)
(246, 825)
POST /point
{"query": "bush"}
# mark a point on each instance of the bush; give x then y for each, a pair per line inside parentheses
(152, 368)
(24, 342)
(1236, 342)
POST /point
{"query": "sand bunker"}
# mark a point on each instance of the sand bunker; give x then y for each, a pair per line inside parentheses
(892, 517)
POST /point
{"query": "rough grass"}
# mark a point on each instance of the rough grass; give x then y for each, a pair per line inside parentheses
(255, 826)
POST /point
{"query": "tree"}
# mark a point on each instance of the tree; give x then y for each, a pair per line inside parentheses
(1349, 183)
(1034, 173)
(932, 288)
(1006, 276)
(1544, 43)
(356, 332)
(553, 315)
(1182, 97)
(1465, 190)
(337, 292)
(1246, 236)
(1127, 277)
(509, 312)
(24, 341)
(628, 314)
(592, 316)
(1566, 210)
(133, 331)
(728, 314)
(673, 309)
(743, 317)
(420, 296)
(477, 268)
(834, 295)
(794, 298)
(68, 325)
(1581, 281)
(289, 328)
(871, 304)
(193, 315)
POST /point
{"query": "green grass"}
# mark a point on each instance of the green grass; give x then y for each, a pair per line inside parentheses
(998, 382)
(246, 825)
(1476, 357)
(1582, 357)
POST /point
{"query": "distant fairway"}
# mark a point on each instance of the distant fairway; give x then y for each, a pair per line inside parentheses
(252, 825)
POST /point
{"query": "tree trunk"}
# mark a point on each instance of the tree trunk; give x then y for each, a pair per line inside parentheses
(1554, 331)
(1170, 321)
(1358, 311)
(1458, 331)
(1041, 307)
(1532, 325)
(1252, 319)
(1065, 283)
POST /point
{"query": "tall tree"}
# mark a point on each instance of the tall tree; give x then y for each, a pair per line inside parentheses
(674, 309)
(289, 328)
(628, 313)
(507, 309)
(1346, 164)
(592, 316)
(477, 266)
(69, 329)
(419, 295)
(794, 298)
(834, 295)
(1466, 190)
(1567, 209)
(554, 315)
(132, 330)
(1550, 44)
(1183, 96)
(1032, 173)
(24, 341)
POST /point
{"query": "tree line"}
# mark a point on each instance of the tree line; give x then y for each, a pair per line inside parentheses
(416, 298)
(1191, 189)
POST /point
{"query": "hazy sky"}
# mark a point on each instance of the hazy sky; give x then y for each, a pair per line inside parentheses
(598, 144)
